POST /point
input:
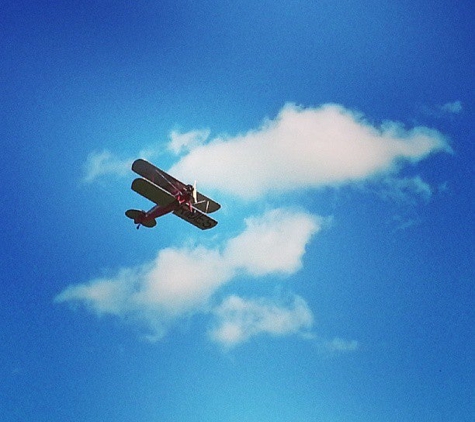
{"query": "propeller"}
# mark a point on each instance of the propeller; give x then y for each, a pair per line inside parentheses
(177, 189)
(195, 193)
(195, 199)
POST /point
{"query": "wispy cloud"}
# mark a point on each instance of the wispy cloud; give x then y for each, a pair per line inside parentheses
(340, 345)
(238, 319)
(102, 164)
(443, 111)
(405, 222)
(105, 163)
(181, 281)
(454, 107)
(404, 189)
(331, 347)
(307, 148)
(185, 141)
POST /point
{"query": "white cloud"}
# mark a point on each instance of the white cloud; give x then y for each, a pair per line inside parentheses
(103, 295)
(101, 164)
(238, 319)
(272, 243)
(105, 163)
(301, 148)
(180, 142)
(306, 148)
(181, 281)
(177, 283)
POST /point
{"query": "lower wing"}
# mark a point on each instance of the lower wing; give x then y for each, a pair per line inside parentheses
(195, 217)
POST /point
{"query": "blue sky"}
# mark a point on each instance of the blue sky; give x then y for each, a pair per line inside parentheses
(338, 284)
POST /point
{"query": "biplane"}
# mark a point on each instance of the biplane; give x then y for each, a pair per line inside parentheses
(170, 196)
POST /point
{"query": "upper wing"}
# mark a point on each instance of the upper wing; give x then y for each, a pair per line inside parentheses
(152, 192)
(195, 217)
(157, 176)
(172, 185)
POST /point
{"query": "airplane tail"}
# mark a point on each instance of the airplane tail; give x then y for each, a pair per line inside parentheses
(137, 216)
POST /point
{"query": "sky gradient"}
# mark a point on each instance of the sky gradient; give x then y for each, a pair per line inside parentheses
(338, 284)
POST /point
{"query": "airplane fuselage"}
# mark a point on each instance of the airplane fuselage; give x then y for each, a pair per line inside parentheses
(181, 198)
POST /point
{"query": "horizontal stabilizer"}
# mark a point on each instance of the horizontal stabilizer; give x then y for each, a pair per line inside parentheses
(149, 223)
(136, 216)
